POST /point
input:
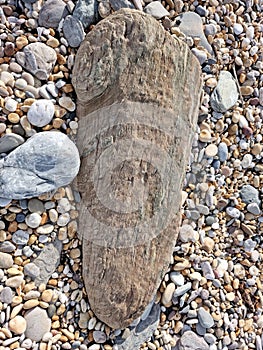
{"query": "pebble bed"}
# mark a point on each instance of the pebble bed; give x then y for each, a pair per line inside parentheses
(213, 290)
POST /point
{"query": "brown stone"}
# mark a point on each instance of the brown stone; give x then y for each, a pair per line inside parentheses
(138, 93)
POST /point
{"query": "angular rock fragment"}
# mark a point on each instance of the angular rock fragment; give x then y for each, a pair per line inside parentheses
(45, 162)
(138, 93)
(190, 340)
(38, 58)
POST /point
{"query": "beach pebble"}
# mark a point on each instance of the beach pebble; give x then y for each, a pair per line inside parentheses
(156, 10)
(20, 237)
(211, 150)
(190, 340)
(33, 220)
(99, 337)
(233, 212)
(254, 209)
(225, 95)
(200, 55)
(177, 278)
(86, 12)
(48, 154)
(168, 294)
(204, 317)
(38, 323)
(190, 23)
(9, 142)
(187, 234)
(51, 13)
(6, 295)
(41, 112)
(222, 152)
(66, 102)
(38, 58)
(10, 105)
(182, 289)
(238, 28)
(73, 31)
(15, 281)
(249, 194)
(31, 270)
(17, 325)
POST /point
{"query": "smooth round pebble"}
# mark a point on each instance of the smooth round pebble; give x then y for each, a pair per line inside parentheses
(17, 325)
(41, 112)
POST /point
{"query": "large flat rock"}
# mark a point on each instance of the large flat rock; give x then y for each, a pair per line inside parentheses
(138, 94)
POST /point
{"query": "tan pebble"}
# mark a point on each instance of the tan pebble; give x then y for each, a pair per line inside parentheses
(15, 311)
(13, 118)
(55, 325)
(168, 294)
(61, 59)
(17, 325)
(13, 271)
(61, 309)
(57, 123)
(52, 42)
(53, 282)
(29, 304)
(208, 244)
(15, 281)
(29, 286)
(47, 295)
(246, 90)
(17, 299)
(14, 345)
(21, 41)
(2, 235)
(211, 82)
(67, 88)
(230, 296)
(67, 103)
(43, 304)
(43, 346)
(248, 326)
(211, 150)
(181, 265)
(257, 149)
(205, 136)
(74, 253)
(178, 327)
(6, 332)
(219, 125)
(3, 91)
(195, 276)
(68, 334)
(74, 285)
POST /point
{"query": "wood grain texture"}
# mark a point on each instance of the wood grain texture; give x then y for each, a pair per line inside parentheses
(138, 93)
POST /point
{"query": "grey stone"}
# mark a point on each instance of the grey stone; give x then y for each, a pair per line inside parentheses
(73, 31)
(204, 317)
(142, 332)
(7, 247)
(200, 55)
(31, 270)
(253, 208)
(6, 295)
(86, 11)
(51, 13)
(182, 289)
(41, 112)
(20, 237)
(38, 58)
(222, 151)
(47, 261)
(156, 10)
(177, 278)
(47, 161)
(9, 142)
(36, 206)
(191, 25)
(225, 94)
(249, 194)
(4, 201)
(118, 4)
(38, 323)
(190, 340)
(99, 337)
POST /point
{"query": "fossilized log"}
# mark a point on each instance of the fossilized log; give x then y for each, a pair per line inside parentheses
(138, 93)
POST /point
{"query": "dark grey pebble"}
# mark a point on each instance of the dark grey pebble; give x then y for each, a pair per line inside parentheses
(73, 31)
(87, 12)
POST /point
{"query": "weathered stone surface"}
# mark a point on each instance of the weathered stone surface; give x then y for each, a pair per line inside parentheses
(9, 142)
(73, 31)
(47, 261)
(45, 162)
(225, 95)
(142, 332)
(37, 323)
(51, 13)
(38, 59)
(138, 94)
(86, 11)
(191, 25)
(189, 340)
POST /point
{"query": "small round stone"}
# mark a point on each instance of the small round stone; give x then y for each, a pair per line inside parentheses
(13, 118)
(41, 112)
(67, 103)
(17, 325)
(11, 105)
(33, 220)
(211, 150)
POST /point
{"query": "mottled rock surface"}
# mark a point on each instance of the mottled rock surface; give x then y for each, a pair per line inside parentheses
(134, 148)
(51, 13)
(225, 95)
(191, 341)
(86, 11)
(38, 59)
(37, 323)
(45, 162)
